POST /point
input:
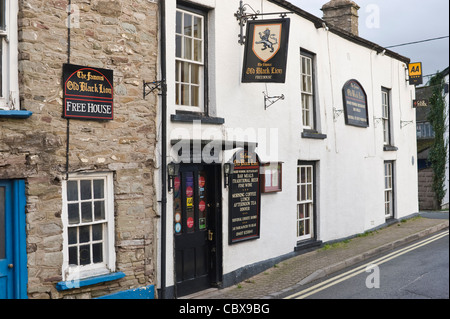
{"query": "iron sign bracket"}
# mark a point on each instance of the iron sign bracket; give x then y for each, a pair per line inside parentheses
(242, 17)
(270, 100)
(150, 87)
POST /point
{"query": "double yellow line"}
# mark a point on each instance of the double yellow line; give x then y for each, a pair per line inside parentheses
(337, 279)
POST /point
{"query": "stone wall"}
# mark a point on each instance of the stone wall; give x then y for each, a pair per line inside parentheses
(427, 197)
(119, 35)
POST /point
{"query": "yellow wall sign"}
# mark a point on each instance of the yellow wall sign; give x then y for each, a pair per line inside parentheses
(415, 73)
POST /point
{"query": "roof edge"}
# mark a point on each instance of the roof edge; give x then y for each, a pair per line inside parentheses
(340, 32)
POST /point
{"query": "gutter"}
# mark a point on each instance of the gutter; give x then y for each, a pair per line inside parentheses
(163, 94)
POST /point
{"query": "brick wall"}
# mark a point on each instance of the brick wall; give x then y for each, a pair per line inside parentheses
(119, 35)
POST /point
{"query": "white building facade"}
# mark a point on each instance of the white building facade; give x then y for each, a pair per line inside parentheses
(330, 177)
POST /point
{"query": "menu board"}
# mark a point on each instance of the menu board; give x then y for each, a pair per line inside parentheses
(355, 104)
(245, 198)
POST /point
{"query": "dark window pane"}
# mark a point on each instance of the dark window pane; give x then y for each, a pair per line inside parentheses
(72, 190)
(86, 212)
(99, 189)
(99, 210)
(74, 215)
(179, 22)
(2, 17)
(187, 24)
(97, 253)
(97, 232)
(73, 256)
(178, 46)
(84, 234)
(85, 190)
(85, 255)
(73, 235)
(197, 27)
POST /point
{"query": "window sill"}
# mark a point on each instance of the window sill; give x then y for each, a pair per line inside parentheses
(74, 284)
(307, 245)
(15, 114)
(313, 135)
(389, 148)
(189, 117)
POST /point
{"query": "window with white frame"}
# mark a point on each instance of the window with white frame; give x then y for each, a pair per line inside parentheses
(386, 108)
(425, 130)
(9, 91)
(307, 90)
(88, 218)
(305, 202)
(190, 67)
(388, 189)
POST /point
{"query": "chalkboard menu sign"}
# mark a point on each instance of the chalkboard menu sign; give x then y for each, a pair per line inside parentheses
(88, 93)
(355, 104)
(245, 198)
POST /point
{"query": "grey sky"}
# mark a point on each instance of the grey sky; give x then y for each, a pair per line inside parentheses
(402, 21)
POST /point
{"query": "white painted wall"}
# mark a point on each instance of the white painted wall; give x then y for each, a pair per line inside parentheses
(350, 160)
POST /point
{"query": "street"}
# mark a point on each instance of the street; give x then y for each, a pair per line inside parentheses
(417, 271)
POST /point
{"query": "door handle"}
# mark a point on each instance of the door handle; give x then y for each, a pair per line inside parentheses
(210, 235)
(10, 266)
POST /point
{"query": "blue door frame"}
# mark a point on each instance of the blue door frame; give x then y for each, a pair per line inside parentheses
(13, 266)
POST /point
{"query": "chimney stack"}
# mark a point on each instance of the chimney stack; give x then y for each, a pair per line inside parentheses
(342, 14)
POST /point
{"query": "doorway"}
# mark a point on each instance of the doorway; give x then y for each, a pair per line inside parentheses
(13, 264)
(197, 228)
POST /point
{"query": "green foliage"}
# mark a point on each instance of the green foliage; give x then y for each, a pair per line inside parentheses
(437, 118)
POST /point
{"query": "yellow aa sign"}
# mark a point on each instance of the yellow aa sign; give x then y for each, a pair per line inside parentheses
(415, 73)
(415, 69)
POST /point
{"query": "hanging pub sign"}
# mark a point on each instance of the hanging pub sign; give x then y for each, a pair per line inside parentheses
(266, 51)
(415, 73)
(245, 198)
(355, 104)
(88, 93)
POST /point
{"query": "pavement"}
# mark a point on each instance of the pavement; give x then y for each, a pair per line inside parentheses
(305, 268)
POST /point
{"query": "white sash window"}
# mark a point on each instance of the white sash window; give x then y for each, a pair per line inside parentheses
(9, 78)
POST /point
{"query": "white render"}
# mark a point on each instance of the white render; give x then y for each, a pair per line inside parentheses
(350, 160)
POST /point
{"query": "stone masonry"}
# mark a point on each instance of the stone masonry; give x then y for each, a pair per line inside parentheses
(119, 35)
(342, 14)
(427, 197)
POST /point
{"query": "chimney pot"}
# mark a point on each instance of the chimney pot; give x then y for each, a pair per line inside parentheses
(342, 14)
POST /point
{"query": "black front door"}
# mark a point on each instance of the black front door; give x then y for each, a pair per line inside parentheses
(196, 216)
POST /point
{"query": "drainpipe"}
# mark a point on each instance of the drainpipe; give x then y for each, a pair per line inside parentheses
(163, 146)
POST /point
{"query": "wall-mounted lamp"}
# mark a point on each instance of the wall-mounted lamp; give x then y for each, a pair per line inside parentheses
(173, 170)
(228, 168)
